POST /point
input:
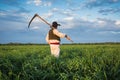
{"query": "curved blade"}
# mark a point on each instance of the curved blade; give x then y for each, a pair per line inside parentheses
(31, 20)
(36, 15)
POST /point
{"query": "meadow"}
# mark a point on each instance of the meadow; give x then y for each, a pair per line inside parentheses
(76, 62)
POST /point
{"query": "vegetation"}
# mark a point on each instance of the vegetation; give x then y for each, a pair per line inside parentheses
(76, 62)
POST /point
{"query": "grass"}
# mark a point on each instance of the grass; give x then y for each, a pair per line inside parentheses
(76, 62)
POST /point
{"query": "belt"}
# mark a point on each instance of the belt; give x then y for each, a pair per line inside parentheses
(55, 43)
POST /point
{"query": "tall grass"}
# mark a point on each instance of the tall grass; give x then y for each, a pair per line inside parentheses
(76, 62)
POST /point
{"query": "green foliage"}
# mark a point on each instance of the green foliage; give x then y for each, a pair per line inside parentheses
(76, 62)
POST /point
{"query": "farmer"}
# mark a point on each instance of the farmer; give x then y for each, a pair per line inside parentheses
(53, 39)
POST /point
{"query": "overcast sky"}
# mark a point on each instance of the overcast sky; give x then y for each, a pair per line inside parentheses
(83, 20)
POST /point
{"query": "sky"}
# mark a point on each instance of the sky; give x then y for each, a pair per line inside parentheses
(85, 21)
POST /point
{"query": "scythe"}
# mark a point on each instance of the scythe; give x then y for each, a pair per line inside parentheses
(36, 15)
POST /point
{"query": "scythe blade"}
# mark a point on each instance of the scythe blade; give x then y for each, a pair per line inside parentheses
(36, 15)
(31, 20)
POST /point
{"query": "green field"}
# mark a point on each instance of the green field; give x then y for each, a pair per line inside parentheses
(76, 62)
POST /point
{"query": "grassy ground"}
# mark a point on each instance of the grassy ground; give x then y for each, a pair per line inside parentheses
(76, 62)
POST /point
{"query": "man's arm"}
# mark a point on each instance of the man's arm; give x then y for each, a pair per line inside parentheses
(59, 34)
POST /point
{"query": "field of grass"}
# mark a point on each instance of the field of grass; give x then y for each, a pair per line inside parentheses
(76, 62)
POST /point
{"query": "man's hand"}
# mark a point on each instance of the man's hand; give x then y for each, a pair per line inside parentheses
(68, 38)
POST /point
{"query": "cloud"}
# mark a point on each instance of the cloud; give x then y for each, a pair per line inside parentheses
(109, 32)
(48, 15)
(100, 3)
(115, 32)
(67, 23)
(11, 26)
(16, 3)
(13, 11)
(40, 2)
(99, 25)
(14, 15)
(47, 3)
(2, 12)
(109, 11)
(100, 29)
(117, 23)
(13, 19)
(37, 2)
(67, 12)
(85, 25)
(54, 9)
(63, 12)
(35, 27)
(69, 18)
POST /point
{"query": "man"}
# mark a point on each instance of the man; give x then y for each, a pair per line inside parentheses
(53, 39)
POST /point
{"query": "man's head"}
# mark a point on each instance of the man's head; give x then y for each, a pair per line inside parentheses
(55, 24)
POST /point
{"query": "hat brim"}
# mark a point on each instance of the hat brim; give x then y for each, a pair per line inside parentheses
(58, 24)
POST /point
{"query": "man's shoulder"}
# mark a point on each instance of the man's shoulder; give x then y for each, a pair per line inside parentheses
(55, 30)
